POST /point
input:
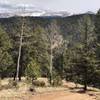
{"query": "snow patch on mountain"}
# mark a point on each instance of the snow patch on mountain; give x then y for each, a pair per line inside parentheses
(7, 10)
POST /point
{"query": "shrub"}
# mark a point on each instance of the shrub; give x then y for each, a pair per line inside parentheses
(12, 84)
(32, 70)
(57, 81)
(38, 83)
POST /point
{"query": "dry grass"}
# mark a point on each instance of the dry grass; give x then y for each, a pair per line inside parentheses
(67, 91)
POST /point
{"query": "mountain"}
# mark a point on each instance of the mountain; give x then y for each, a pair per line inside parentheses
(68, 25)
(5, 15)
(7, 10)
(59, 13)
(90, 12)
(34, 13)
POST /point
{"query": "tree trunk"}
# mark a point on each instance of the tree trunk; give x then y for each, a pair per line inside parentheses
(19, 53)
(85, 79)
(85, 87)
(51, 55)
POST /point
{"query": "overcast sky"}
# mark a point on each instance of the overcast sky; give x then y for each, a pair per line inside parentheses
(72, 6)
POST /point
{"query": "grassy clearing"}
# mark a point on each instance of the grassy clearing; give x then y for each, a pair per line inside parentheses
(23, 90)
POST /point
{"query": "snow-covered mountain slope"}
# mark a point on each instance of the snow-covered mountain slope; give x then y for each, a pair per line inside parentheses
(33, 13)
(28, 10)
(7, 10)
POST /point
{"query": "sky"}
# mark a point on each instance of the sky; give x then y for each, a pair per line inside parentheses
(71, 6)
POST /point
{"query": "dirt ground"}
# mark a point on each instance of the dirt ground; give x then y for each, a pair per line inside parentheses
(58, 95)
(61, 95)
(67, 92)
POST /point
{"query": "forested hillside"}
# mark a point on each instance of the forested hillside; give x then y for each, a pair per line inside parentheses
(53, 47)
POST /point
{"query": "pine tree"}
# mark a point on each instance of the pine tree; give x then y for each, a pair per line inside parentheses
(32, 70)
(87, 60)
(6, 61)
(81, 55)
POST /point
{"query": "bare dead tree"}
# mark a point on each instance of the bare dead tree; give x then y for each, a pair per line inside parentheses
(54, 40)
